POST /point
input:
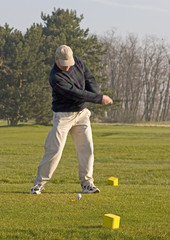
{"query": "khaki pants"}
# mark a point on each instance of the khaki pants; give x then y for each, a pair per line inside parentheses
(78, 124)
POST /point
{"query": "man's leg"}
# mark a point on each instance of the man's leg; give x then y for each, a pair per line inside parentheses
(54, 145)
(53, 150)
(82, 136)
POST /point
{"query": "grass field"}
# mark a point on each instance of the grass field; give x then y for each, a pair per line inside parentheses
(138, 155)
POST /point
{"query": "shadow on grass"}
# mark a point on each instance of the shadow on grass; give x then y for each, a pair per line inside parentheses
(16, 192)
(43, 193)
(59, 192)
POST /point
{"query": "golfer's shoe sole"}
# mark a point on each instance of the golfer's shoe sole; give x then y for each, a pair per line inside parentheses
(89, 189)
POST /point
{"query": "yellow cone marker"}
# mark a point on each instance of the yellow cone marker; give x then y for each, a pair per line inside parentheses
(113, 181)
(111, 221)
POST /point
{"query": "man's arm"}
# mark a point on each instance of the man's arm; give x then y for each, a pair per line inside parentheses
(70, 91)
(92, 86)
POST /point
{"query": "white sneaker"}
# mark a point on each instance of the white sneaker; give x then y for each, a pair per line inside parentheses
(89, 188)
(37, 189)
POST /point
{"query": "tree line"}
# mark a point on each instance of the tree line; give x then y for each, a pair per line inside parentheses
(136, 73)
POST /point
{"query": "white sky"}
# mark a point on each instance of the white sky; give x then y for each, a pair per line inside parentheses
(141, 17)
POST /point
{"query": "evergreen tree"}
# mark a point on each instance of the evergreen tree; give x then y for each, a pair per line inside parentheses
(12, 80)
(24, 88)
(39, 90)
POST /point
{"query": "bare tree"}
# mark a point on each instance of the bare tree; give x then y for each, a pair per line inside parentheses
(155, 81)
(123, 72)
(139, 74)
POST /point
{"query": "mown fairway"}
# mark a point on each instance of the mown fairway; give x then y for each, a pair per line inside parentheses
(138, 156)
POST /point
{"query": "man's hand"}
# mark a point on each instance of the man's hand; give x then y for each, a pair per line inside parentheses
(107, 100)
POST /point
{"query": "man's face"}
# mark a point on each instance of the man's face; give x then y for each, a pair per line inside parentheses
(63, 68)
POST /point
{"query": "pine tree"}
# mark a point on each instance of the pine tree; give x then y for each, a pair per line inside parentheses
(39, 90)
(12, 80)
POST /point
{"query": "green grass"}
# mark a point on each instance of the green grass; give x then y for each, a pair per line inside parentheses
(138, 156)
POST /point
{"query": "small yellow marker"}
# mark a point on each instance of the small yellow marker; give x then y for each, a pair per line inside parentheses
(111, 221)
(113, 181)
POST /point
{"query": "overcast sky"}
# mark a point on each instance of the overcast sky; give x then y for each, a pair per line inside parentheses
(141, 17)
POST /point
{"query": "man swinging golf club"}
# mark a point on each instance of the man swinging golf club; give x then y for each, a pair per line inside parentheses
(72, 84)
